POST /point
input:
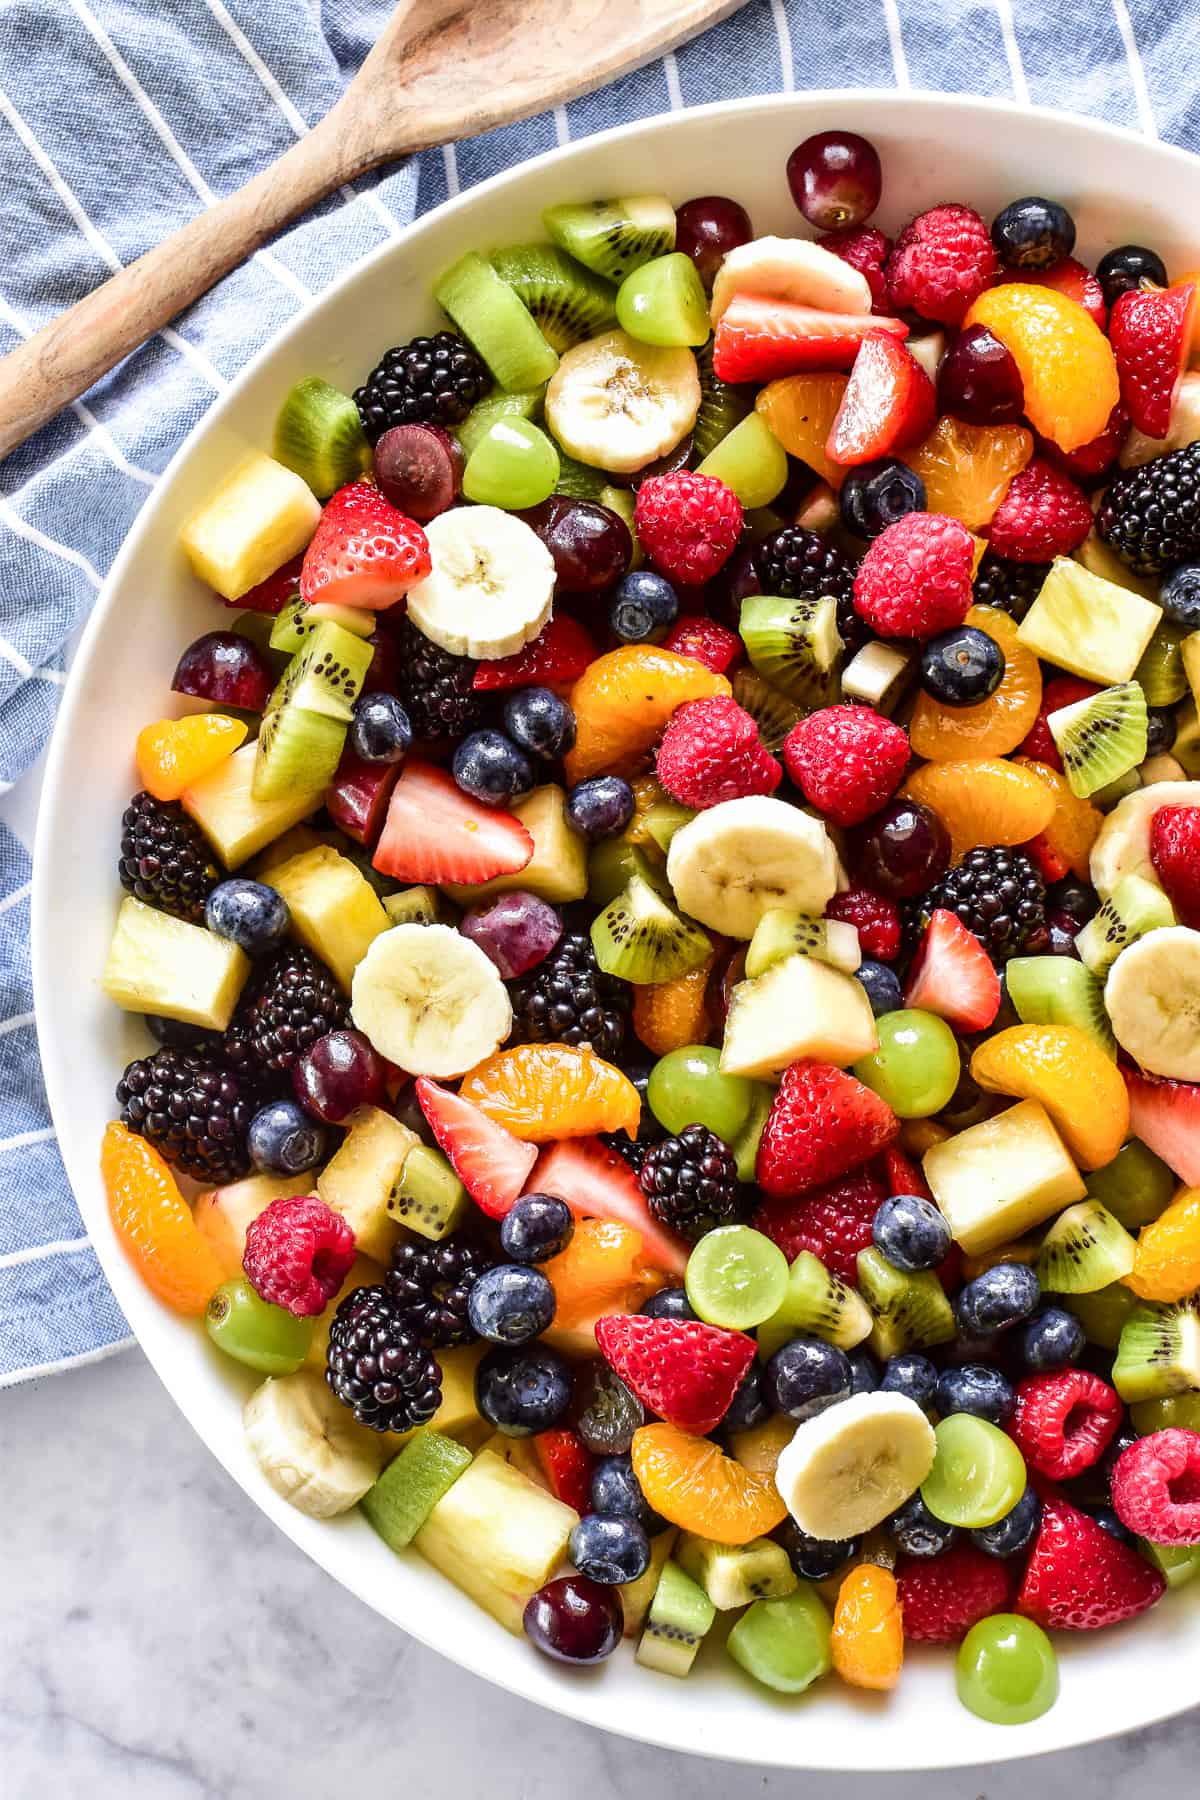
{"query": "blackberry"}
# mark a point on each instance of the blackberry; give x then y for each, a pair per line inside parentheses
(566, 1000)
(797, 562)
(431, 1283)
(998, 894)
(435, 687)
(1151, 515)
(288, 1003)
(631, 1150)
(193, 1108)
(429, 381)
(1011, 586)
(691, 1183)
(376, 1366)
(165, 858)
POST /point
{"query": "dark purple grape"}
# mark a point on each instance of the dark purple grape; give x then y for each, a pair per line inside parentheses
(590, 543)
(516, 932)
(835, 179)
(384, 672)
(1062, 930)
(708, 228)
(419, 468)
(227, 668)
(979, 380)
(607, 1413)
(903, 850)
(574, 1620)
(337, 1075)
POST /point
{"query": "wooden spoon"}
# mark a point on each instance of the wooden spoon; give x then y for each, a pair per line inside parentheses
(442, 69)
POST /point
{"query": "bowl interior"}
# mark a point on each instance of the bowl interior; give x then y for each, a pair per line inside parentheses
(1118, 187)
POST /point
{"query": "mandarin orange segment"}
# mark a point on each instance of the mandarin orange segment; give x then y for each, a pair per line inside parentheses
(800, 410)
(868, 1634)
(648, 791)
(967, 468)
(154, 1223)
(601, 1270)
(1065, 361)
(694, 1485)
(996, 725)
(1076, 823)
(623, 701)
(543, 1092)
(174, 753)
(984, 802)
(1166, 1264)
(669, 1014)
(1066, 1070)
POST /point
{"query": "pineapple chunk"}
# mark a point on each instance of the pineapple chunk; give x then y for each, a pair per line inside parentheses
(160, 964)
(336, 913)
(234, 822)
(358, 1179)
(282, 849)
(1098, 559)
(363, 1273)
(259, 518)
(520, 1454)
(556, 872)
(637, 1595)
(497, 1536)
(1000, 1178)
(800, 1007)
(224, 1214)
(1088, 625)
(457, 1416)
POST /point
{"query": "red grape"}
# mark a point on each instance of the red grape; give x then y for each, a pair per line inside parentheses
(337, 1075)
(835, 179)
(574, 1620)
(517, 931)
(419, 468)
(979, 381)
(903, 850)
(707, 229)
(590, 544)
(227, 668)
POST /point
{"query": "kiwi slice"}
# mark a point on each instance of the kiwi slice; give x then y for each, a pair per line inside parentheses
(1057, 990)
(567, 301)
(1101, 738)
(782, 932)
(1136, 1185)
(1103, 1313)
(428, 1197)
(415, 906)
(818, 1303)
(722, 406)
(319, 435)
(299, 620)
(772, 712)
(611, 237)
(411, 1486)
(1161, 674)
(525, 403)
(303, 731)
(909, 1311)
(497, 322)
(794, 644)
(1084, 1250)
(751, 461)
(1134, 907)
(1158, 1354)
(664, 819)
(880, 675)
(680, 1615)
(734, 1575)
(576, 480)
(641, 938)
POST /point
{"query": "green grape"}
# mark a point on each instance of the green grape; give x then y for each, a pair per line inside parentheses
(978, 1474)
(1179, 1563)
(1103, 1313)
(611, 865)
(745, 1149)
(664, 302)
(513, 465)
(263, 1336)
(917, 1065)
(686, 1087)
(736, 1277)
(1135, 1186)
(1006, 1671)
(785, 1643)
(1182, 1410)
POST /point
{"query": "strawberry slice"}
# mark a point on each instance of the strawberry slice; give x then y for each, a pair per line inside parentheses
(823, 1122)
(560, 652)
(364, 551)
(889, 402)
(434, 833)
(490, 1162)
(1166, 1116)
(567, 1464)
(273, 594)
(1076, 282)
(759, 339)
(1080, 1578)
(705, 641)
(596, 1183)
(903, 1176)
(1151, 334)
(685, 1372)
(953, 975)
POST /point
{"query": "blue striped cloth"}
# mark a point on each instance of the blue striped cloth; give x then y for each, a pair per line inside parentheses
(117, 122)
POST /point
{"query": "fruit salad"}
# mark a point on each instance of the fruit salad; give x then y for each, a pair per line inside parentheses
(667, 905)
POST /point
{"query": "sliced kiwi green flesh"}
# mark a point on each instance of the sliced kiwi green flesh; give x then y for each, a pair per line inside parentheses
(319, 435)
(303, 731)
(909, 1311)
(794, 644)
(772, 712)
(680, 1615)
(641, 938)
(497, 322)
(411, 1486)
(428, 1197)
(298, 620)
(1084, 1250)
(1158, 1354)
(818, 1303)
(783, 932)
(614, 237)
(1101, 738)
(1058, 990)
(567, 301)
(577, 481)
(1134, 907)
(722, 406)
(1103, 1314)
(735, 1575)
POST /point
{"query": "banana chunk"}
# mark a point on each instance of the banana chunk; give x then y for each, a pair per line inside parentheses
(791, 269)
(855, 1463)
(734, 863)
(491, 586)
(430, 1000)
(1153, 1000)
(307, 1445)
(1122, 846)
(618, 404)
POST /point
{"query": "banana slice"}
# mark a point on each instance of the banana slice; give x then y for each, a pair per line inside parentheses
(855, 1463)
(731, 865)
(618, 404)
(1123, 844)
(792, 269)
(491, 586)
(430, 1000)
(307, 1445)
(1153, 999)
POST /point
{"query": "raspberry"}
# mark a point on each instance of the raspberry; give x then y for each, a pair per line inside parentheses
(915, 579)
(1175, 853)
(822, 1123)
(1064, 690)
(833, 1222)
(1080, 1578)
(705, 641)
(1043, 515)
(943, 1596)
(298, 1253)
(866, 250)
(846, 760)
(942, 262)
(1094, 459)
(1156, 1487)
(875, 918)
(1064, 1423)
(711, 752)
(688, 525)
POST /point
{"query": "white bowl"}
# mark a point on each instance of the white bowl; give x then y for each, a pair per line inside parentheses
(1119, 187)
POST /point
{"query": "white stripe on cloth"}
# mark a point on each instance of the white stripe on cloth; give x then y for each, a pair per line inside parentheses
(24, 529)
(783, 33)
(450, 160)
(24, 1140)
(562, 126)
(1012, 50)
(1137, 73)
(896, 43)
(35, 1252)
(674, 91)
(18, 1022)
(65, 1362)
(18, 894)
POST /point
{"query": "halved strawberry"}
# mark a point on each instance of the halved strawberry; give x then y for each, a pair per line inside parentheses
(758, 339)
(705, 641)
(364, 552)
(889, 402)
(1151, 334)
(567, 1464)
(1077, 283)
(903, 1176)
(953, 975)
(1166, 1116)
(273, 594)
(823, 1122)
(1080, 1577)
(596, 1183)
(1092, 459)
(685, 1372)
(561, 651)
(490, 1162)
(434, 832)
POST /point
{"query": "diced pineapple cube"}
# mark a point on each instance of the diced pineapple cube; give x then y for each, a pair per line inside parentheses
(259, 518)
(282, 849)
(364, 1272)
(1098, 559)
(358, 1179)
(800, 1007)
(520, 1454)
(556, 872)
(224, 1214)
(637, 1595)
(335, 911)
(234, 822)
(458, 1415)
(160, 964)
(1000, 1178)
(1088, 625)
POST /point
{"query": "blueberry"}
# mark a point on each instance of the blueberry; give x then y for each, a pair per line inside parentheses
(806, 1376)
(1108, 1521)
(1002, 1296)
(961, 667)
(814, 1559)
(747, 1407)
(511, 1304)
(876, 494)
(608, 1413)
(610, 1548)
(523, 1391)
(1078, 898)
(865, 1372)
(1161, 729)
(537, 720)
(1051, 1339)
(284, 1140)
(1108, 1462)
(911, 1233)
(536, 1227)
(380, 731)
(917, 1532)
(911, 1375)
(975, 1388)
(669, 1303)
(1033, 233)
(489, 767)
(249, 914)
(1179, 595)
(616, 1490)
(882, 986)
(643, 608)
(600, 808)
(1127, 267)
(1015, 1531)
